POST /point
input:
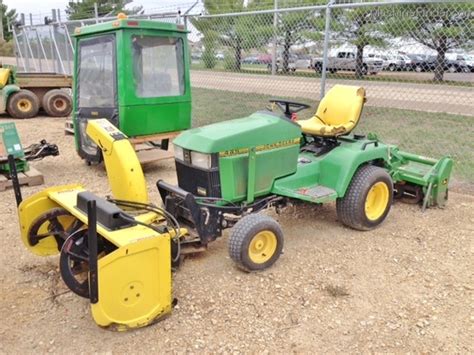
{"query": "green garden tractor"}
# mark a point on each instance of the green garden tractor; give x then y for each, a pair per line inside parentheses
(227, 172)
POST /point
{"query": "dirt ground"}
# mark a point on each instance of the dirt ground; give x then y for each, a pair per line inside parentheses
(406, 286)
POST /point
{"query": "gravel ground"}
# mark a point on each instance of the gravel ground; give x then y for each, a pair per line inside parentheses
(406, 286)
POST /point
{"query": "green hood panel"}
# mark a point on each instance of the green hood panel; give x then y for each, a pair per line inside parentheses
(257, 129)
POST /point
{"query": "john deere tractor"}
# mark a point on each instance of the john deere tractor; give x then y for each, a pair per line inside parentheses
(229, 171)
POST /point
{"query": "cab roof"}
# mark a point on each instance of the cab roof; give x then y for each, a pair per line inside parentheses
(128, 23)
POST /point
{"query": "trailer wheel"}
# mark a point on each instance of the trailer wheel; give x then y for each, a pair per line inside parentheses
(23, 104)
(57, 103)
(367, 200)
(256, 242)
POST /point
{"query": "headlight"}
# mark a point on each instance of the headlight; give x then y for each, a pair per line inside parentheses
(201, 160)
(178, 152)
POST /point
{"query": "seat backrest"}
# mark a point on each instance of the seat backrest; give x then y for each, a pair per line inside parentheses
(342, 104)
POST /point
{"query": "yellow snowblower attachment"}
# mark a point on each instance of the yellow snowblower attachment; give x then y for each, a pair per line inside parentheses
(115, 252)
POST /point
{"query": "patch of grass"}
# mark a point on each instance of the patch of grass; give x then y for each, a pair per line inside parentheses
(425, 133)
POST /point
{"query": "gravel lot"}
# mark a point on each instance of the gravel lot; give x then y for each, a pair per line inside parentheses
(407, 286)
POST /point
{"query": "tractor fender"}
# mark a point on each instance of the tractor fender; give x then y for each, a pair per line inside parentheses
(340, 165)
(6, 91)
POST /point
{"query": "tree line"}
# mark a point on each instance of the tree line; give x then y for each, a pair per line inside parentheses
(440, 27)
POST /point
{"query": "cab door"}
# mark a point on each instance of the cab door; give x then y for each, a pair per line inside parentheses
(96, 89)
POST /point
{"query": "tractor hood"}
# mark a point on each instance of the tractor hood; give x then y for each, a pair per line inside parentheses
(258, 129)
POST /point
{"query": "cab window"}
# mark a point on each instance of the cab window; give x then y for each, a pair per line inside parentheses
(158, 66)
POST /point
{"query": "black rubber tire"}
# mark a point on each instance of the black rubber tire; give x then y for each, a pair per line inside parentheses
(65, 267)
(351, 207)
(392, 67)
(365, 70)
(242, 234)
(18, 100)
(57, 103)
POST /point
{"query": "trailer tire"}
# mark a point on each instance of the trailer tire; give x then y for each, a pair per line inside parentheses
(57, 103)
(256, 242)
(367, 200)
(23, 104)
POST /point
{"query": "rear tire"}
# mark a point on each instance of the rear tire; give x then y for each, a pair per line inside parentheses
(23, 104)
(57, 103)
(256, 242)
(367, 200)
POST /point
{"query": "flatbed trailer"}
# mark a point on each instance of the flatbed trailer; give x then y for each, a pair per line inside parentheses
(24, 94)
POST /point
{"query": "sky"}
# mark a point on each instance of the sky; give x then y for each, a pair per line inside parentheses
(41, 8)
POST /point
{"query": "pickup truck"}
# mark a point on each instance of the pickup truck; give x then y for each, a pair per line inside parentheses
(347, 61)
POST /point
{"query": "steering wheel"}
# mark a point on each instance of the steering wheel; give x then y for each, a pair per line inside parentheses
(289, 107)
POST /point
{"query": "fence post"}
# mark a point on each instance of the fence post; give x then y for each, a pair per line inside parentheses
(275, 33)
(96, 13)
(327, 29)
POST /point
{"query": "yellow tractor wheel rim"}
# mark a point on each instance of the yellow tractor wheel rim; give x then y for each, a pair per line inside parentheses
(376, 201)
(24, 105)
(262, 247)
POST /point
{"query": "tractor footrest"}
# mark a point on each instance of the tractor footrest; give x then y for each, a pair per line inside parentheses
(316, 191)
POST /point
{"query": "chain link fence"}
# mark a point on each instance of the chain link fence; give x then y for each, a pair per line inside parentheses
(414, 58)
(415, 61)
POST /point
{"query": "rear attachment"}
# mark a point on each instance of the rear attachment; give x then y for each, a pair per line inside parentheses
(420, 179)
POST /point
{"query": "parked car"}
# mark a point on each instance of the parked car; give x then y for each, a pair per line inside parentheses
(196, 56)
(396, 63)
(419, 63)
(345, 60)
(302, 62)
(251, 60)
(264, 58)
(279, 64)
(381, 57)
(469, 60)
(407, 61)
(456, 64)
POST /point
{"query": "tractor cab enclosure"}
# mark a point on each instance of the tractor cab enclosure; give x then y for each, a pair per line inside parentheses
(133, 73)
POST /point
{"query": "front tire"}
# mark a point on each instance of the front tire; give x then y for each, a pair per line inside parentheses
(368, 199)
(256, 242)
(23, 104)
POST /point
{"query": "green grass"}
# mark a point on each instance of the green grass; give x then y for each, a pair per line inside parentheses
(261, 69)
(425, 133)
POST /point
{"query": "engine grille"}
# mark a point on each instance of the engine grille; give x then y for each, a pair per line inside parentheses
(197, 181)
